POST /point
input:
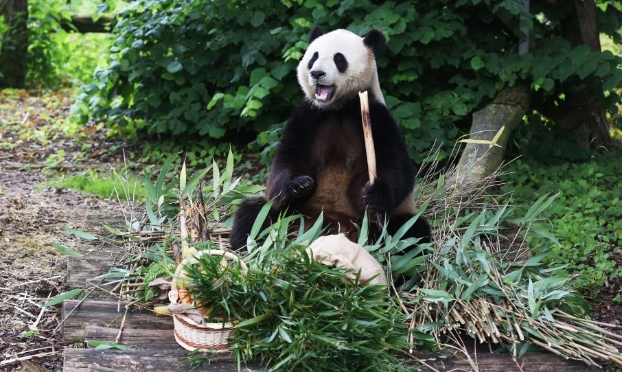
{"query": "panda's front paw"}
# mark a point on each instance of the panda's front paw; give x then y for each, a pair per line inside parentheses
(377, 197)
(299, 188)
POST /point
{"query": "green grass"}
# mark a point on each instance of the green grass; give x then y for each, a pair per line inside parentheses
(104, 185)
(586, 216)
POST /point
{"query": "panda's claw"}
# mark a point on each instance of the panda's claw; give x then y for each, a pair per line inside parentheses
(299, 187)
(376, 197)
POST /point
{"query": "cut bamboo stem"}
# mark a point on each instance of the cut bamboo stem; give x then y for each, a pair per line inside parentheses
(369, 139)
(370, 151)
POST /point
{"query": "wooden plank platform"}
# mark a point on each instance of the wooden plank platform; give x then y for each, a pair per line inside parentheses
(90, 360)
(101, 317)
(78, 315)
(159, 339)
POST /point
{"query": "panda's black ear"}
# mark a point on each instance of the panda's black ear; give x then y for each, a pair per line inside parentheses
(315, 33)
(376, 41)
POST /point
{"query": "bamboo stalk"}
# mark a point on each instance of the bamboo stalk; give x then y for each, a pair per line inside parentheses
(369, 139)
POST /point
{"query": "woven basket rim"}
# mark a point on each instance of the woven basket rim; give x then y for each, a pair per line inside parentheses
(173, 294)
(203, 334)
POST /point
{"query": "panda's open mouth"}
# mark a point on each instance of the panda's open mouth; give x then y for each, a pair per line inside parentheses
(324, 92)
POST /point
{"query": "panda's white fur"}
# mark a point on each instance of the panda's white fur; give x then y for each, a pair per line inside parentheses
(361, 73)
(320, 165)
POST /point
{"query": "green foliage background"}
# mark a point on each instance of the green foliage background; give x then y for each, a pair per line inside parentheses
(223, 67)
(586, 216)
(56, 57)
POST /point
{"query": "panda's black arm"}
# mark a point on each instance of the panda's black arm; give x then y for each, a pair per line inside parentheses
(394, 167)
(292, 177)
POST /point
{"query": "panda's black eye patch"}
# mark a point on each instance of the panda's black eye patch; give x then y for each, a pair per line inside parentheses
(312, 60)
(340, 62)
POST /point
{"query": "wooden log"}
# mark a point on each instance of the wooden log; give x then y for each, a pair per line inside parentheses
(137, 339)
(78, 315)
(486, 362)
(95, 368)
(84, 360)
(490, 133)
(81, 272)
(85, 24)
(83, 269)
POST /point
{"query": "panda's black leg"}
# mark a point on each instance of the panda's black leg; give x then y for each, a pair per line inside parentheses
(244, 219)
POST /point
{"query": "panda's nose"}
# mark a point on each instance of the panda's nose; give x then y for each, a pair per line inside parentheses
(317, 74)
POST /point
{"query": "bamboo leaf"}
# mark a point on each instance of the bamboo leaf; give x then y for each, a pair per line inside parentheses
(539, 206)
(538, 230)
(228, 172)
(494, 220)
(495, 139)
(252, 321)
(475, 141)
(112, 275)
(259, 221)
(364, 231)
(194, 181)
(284, 336)
(182, 177)
(408, 224)
(159, 185)
(313, 232)
(153, 219)
(434, 295)
(480, 282)
(81, 234)
(67, 251)
(531, 299)
(536, 260)
(215, 180)
(152, 195)
(470, 232)
(62, 297)
(107, 345)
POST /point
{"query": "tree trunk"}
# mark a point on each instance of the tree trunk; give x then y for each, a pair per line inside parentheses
(14, 44)
(581, 112)
(490, 133)
(84, 24)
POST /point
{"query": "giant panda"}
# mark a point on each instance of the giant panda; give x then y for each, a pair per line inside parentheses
(320, 163)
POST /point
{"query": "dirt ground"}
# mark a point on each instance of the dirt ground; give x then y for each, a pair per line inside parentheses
(31, 270)
(33, 215)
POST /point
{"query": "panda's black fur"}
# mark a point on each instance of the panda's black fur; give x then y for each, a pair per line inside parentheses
(320, 164)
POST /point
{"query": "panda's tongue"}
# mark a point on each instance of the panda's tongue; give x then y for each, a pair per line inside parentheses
(323, 92)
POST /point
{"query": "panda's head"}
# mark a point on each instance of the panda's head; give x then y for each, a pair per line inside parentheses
(338, 65)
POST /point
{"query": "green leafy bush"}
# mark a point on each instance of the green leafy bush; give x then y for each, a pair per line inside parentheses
(57, 57)
(586, 217)
(220, 67)
(4, 28)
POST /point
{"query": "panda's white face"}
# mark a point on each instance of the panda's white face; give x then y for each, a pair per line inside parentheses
(335, 67)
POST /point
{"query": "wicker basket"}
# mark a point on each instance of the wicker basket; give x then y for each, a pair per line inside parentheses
(191, 335)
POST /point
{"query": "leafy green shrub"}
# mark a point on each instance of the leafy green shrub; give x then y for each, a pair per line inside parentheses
(586, 217)
(4, 28)
(43, 50)
(57, 57)
(219, 67)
